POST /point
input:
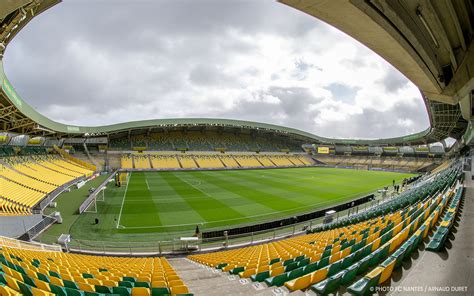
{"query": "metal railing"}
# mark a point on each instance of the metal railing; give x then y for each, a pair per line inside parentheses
(14, 243)
(39, 227)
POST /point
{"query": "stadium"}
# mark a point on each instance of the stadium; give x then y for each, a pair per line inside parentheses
(213, 206)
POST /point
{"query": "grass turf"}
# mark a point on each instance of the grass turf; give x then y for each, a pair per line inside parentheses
(161, 205)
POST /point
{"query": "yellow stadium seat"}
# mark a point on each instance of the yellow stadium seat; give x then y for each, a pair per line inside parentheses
(140, 291)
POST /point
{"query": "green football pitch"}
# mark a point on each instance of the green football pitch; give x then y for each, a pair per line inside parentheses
(163, 204)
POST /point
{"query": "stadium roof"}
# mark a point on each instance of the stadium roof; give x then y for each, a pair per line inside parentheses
(18, 116)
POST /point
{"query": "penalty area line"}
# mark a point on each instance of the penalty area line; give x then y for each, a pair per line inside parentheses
(146, 181)
(123, 201)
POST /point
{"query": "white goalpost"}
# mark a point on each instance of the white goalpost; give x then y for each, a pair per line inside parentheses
(100, 196)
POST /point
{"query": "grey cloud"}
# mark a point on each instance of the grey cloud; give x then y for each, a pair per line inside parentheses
(373, 124)
(209, 75)
(292, 108)
(393, 80)
(144, 57)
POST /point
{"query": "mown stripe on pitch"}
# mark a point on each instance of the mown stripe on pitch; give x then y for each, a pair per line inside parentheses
(142, 213)
(172, 208)
(246, 207)
(258, 195)
(209, 208)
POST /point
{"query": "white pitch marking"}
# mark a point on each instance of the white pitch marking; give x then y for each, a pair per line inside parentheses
(146, 181)
(123, 201)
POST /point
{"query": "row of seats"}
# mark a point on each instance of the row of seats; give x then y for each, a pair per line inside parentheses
(190, 161)
(26, 180)
(33, 272)
(413, 164)
(407, 243)
(340, 251)
(17, 150)
(198, 141)
(441, 234)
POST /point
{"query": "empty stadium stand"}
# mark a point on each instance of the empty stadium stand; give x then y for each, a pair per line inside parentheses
(212, 161)
(26, 180)
(37, 272)
(368, 162)
(203, 141)
(370, 244)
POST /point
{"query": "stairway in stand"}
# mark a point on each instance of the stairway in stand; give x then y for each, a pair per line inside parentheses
(202, 280)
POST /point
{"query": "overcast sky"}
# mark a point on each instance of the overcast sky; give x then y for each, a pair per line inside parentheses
(102, 62)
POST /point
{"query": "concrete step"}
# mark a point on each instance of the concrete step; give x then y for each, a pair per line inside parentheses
(203, 280)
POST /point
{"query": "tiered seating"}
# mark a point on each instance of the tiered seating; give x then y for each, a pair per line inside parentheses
(160, 142)
(39, 172)
(191, 161)
(208, 161)
(16, 198)
(60, 166)
(265, 161)
(55, 273)
(407, 163)
(187, 162)
(139, 141)
(164, 162)
(70, 167)
(25, 181)
(441, 234)
(305, 160)
(16, 177)
(229, 161)
(204, 141)
(198, 142)
(141, 161)
(369, 244)
(247, 161)
(120, 144)
(280, 160)
(126, 162)
(6, 151)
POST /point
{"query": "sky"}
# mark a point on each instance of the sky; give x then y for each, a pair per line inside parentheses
(96, 62)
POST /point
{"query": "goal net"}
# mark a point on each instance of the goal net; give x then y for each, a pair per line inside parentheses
(122, 179)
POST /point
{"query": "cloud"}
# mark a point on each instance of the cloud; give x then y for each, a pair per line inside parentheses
(82, 63)
(393, 81)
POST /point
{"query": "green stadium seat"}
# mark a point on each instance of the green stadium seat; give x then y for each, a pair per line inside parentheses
(128, 279)
(310, 267)
(364, 285)
(237, 270)
(142, 284)
(70, 284)
(260, 277)
(160, 292)
(351, 273)
(277, 280)
(59, 290)
(103, 289)
(73, 292)
(123, 291)
(335, 268)
(329, 285)
(125, 284)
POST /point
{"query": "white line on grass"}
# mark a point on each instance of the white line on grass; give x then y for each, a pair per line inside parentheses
(123, 200)
(239, 218)
(192, 185)
(146, 181)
